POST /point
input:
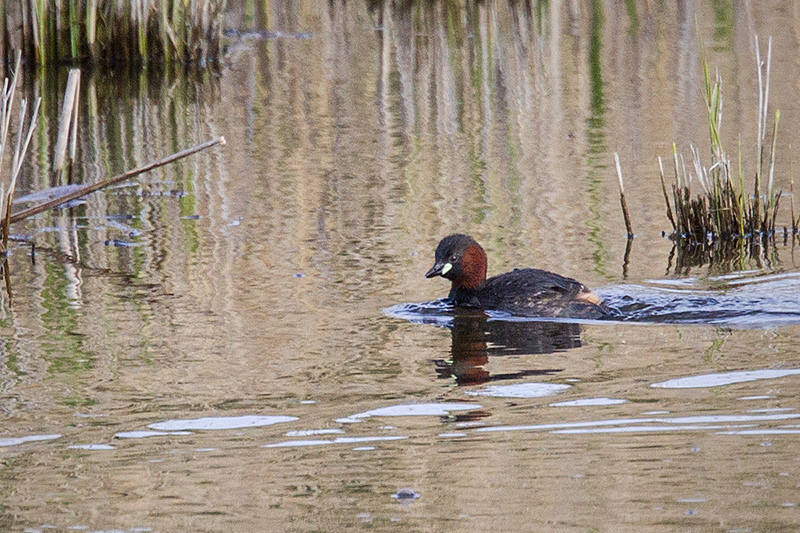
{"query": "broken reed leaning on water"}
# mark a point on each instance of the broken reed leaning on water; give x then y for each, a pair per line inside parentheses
(133, 31)
(68, 124)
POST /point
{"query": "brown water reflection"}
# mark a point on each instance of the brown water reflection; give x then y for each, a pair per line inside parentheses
(475, 338)
(255, 280)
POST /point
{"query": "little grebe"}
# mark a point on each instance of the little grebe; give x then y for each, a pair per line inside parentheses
(525, 291)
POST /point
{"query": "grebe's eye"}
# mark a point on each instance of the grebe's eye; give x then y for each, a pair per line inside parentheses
(454, 258)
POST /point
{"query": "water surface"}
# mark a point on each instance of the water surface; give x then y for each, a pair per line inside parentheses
(244, 341)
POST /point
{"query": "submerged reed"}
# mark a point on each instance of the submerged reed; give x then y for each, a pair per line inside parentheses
(134, 31)
(723, 211)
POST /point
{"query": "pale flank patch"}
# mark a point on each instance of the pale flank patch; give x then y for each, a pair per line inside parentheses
(590, 297)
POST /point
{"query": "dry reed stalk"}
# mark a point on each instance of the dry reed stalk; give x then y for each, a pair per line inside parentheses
(791, 193)
(91, 27)
(666, 196)
(67, 119)
(20, 149)
(770, 191)
(19, 156)
(622, 200)
(88, 189)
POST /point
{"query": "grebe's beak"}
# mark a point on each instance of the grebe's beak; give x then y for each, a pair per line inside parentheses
(439, 269)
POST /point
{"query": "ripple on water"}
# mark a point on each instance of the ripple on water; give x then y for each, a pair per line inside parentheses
(142, 434)
(309, 432)
(584, 402)
(725, 378)
(339, 440)
(92, 447)
(743, 299)
(30, 438)
(413, 409)
(520, 390)
(220, 422)
(438, 312)
(625, 425)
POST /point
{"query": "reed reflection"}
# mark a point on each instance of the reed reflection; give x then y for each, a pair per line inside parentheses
(475, 338)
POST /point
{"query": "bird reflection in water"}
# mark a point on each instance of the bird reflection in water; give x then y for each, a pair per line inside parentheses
(475, 338)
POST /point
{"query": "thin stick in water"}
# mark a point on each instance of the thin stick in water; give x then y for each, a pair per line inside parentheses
(791, 192)
(622, 201)
(666, 196)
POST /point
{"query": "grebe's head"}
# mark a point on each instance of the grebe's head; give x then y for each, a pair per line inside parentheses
(461, 260)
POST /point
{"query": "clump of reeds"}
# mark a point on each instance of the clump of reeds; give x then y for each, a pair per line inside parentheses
(724, 210)
(20, 146)
(132, 31)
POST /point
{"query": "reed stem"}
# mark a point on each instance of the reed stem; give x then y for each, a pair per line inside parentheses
(622, 200)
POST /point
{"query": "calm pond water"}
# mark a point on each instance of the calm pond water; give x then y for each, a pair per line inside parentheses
(244, 341)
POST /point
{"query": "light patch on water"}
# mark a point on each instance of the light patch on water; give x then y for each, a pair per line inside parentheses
(725, 378)
(30, 438)
(205, 449)
(295, 443)
(352, 440)
(406, 494)
(92, 447)
(771, 410)
(309, 432)
(363, 448)
(470, 424)
(322, 442)
(220, 422)
(713, 419)
(128, 230)
(637, 429)
(520, 390)
(665, 422)
(683, 282)
(763, 432)
(47, 194)
(568, 425)
(656, 412)
(145, 433)
(741, 280)
(412, 409)
(452, 435)
(762, 397)
(589, 402)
